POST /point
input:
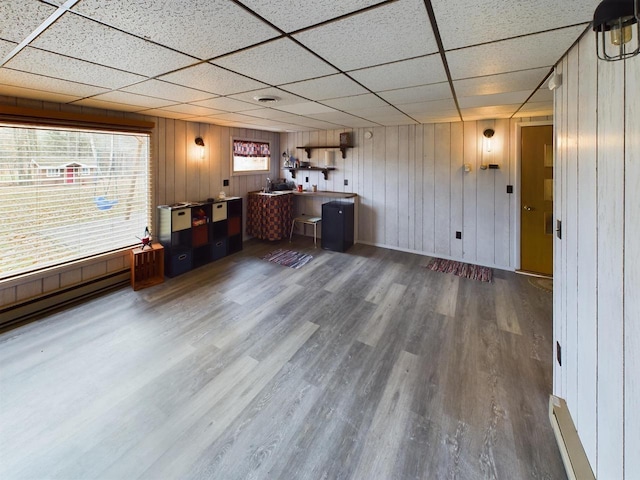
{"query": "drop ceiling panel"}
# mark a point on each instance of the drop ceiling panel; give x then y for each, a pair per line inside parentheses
(429, 108)
(234, 117)
(267, 113)
(57, 66)
(333, 86)
(21, 17)
(531, 109)
(104, 105)
(357, 102)
(13, 91)
(495, 111)
(193, 110)
(6, 48)
(392, 32)
(495, 99)
(512, 55)
(290, 15)
(305, 108)
(486, 21)
(285, 98)
(37, 82)
(168, 91)
(442, 117)
(408, 73)
(210, 78)
(78, 37)
(226, 104)
(133, 99)
(505, 82)
(423, 93)
(277, 62)
(391, 120)
(542, 95)
(204, 29)
(159, 112)
(345, 119)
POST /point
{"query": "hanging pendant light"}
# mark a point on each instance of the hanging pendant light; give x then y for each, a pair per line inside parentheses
(617, 27)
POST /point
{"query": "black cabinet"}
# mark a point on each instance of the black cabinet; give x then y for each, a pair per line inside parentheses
(194, 234)
(337, 226)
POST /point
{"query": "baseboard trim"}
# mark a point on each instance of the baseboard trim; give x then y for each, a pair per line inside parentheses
(27, 310)
(573, 455)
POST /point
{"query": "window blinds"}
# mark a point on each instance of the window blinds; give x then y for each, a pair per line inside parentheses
(68, 194)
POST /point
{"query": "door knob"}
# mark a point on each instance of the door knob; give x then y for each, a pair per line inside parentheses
(528, 208)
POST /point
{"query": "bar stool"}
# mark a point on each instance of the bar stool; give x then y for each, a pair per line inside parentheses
(307, 220)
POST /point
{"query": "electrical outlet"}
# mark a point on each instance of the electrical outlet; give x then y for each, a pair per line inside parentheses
(509, 188)
(459, 235)
(225, 183)
(346, 182)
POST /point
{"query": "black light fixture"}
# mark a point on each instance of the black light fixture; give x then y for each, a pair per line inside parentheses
(621, 19)
(200, 144)
(488, 134)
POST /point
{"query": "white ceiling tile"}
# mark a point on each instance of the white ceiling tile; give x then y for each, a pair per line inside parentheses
(542, 95)
(47, 84)
(14, 91)
(429, 108)
(536, 108)
(168, 91)
(408, 73)
(333, 86)
(395, 31)
(423, 93)
(194, 110)
(210, 78)
(234, 117)
(442, 117)
(495, 111)
(57, 66)
(290, 15)
(133, 99)
(6, 48)
(159, 112)
(470, 22)
(21, 17)
(204, 29)
(267, 113)
(277, 62)
(307, 122)
(104, 105)
(509, 98)
(356, 102)
(512, 55)
(78, 37)
(391, 120)
(341, 118)
(285, 98)
(226, 104)
(504, 82)
(306, 108)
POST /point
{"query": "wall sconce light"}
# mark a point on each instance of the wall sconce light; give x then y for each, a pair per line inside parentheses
(488, 135)
(200, 144)
(620, 18)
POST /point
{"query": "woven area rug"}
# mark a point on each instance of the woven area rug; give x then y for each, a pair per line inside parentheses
(288, 258)
(465, 270)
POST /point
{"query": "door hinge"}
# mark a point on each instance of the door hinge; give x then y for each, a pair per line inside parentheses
(559, 229)
(559, 353)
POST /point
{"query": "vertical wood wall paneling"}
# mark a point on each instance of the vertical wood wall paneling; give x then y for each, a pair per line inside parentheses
(367, 218)
(558, 205)
(513, 199)
(470, 182)
(418, 188)
(610, 269)
(378, 193)
(429, 190)
(585, 418)
(392, 187)
(456, 167)
(204, 174)
(485, 201)
(170, 164)
(159, 163)
(632, 272)
(193, 162)
(563, 244)
(405, 186)
(443, 189)
(180, 154)
(571, 222)
(502, 226)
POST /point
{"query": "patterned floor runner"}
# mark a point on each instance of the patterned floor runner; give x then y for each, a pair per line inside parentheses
(288, 258)
(466, 270)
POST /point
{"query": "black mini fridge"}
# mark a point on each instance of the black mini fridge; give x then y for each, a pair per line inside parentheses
(337, 226)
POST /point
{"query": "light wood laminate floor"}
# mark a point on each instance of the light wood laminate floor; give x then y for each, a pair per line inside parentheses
(360, 365)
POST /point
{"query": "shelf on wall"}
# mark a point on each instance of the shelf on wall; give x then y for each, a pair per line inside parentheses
(343, 149)
(324, 170)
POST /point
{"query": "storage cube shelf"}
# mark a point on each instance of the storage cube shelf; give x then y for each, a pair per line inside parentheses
(195, 234)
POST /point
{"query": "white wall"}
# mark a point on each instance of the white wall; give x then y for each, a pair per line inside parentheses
(414, 193)
(596, 271)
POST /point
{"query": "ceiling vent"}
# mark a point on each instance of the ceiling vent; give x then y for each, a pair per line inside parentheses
(266, 99)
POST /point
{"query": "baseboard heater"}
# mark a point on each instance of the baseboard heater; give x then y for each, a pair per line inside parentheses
(573, 455)
(40, 305)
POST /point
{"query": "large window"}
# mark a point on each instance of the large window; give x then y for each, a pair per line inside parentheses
(68, 194)
(250, 157)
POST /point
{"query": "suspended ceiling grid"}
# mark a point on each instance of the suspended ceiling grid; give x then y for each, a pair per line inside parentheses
(329, 64)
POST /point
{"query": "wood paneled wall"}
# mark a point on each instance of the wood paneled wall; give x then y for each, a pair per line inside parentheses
(414, 193)
(178, 174)
(597, 261)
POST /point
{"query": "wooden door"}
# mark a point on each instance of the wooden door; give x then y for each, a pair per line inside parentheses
(536, 226)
